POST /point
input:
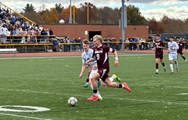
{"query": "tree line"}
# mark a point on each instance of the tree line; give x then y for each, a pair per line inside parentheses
(104, 15)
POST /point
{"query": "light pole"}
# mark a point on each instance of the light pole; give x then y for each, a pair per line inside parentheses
(123, 22)
(70, 18)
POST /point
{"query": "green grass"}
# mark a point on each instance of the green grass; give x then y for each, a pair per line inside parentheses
(50, 81)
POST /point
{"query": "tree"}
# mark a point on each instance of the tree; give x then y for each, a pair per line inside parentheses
(58, 7)
(29, 8)
(134, 16)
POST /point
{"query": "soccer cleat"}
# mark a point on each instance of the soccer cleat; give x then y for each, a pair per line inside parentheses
(100, 97)
(86, 85)
(185, 60)
(126, 87)
(157, 71)
(172, 72)
(115, 77)
(93, 98)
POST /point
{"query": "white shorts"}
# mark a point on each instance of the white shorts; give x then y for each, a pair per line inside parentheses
(92, 73)
(172, 57)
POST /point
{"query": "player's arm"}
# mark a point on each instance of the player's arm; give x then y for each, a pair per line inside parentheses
(90, 60)
(169, 47)
(177, 46)
(84, 66)
(116, 60)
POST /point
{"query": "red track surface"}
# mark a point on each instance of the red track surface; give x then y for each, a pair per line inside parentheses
(67, 53)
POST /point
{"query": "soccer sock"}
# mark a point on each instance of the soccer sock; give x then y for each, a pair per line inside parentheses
(157, 65)
(87, 80)
(111, 79)
(183, 57)
(120, 86)
(163, 64)
(177, 66)
(95, 92)
(171, 67)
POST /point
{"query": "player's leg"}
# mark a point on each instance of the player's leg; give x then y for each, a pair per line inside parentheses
(163, 64)
(86, 83)
(156, 65)
(117, 85)
(93, 79)
(171, 63)
(98, 81)
(183, 57)
(87, 80)
(176, 63)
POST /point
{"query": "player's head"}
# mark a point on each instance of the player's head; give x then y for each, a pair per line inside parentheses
(85, 44)
(157, 37)
(171, 38)
(179, 39)
(97, 40)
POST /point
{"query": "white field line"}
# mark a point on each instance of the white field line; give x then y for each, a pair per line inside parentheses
(182, 94)
(177, 87)
(137, 100)
(55, 57)
(21, 116)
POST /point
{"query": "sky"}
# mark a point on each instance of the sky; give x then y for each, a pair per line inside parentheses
(177, 9)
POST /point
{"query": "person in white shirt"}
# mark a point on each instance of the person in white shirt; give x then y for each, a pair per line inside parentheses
(172, 54)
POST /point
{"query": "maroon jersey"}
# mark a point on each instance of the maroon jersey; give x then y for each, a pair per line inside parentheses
(101, 55)
(160, 44)
(159, 51)
(180, 50)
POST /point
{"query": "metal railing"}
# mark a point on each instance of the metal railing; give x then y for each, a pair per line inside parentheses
(45, 44)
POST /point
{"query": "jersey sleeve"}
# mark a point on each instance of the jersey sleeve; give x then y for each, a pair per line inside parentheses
(83, 60)
(109, 49)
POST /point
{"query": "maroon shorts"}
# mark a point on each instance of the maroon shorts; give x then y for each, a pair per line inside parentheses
(180, 52)
(159, 56)
(103, 74)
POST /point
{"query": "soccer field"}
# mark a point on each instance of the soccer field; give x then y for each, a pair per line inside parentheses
(29, 83)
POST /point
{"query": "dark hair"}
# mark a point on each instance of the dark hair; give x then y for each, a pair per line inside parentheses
(171, 37)
(177, 37)
(85, 42)
(158, 35)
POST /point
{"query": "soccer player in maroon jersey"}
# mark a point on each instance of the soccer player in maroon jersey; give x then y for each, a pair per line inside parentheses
(180, 50)
(100, 54)
(158, 47)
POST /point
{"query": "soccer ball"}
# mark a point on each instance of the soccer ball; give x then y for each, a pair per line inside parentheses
(72, 101)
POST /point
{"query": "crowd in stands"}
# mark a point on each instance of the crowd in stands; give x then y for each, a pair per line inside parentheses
(27, 32)
(13, 25)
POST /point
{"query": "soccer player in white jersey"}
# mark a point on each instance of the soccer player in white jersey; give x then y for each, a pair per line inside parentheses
(172, 54)
(86, 55)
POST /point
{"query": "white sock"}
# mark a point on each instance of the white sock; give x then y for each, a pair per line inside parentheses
(171, 67)
(111, 79)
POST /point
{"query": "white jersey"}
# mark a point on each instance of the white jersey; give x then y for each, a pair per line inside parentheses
(172, 47)
(86, 56)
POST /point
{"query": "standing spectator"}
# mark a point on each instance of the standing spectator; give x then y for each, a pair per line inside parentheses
(55, 45)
